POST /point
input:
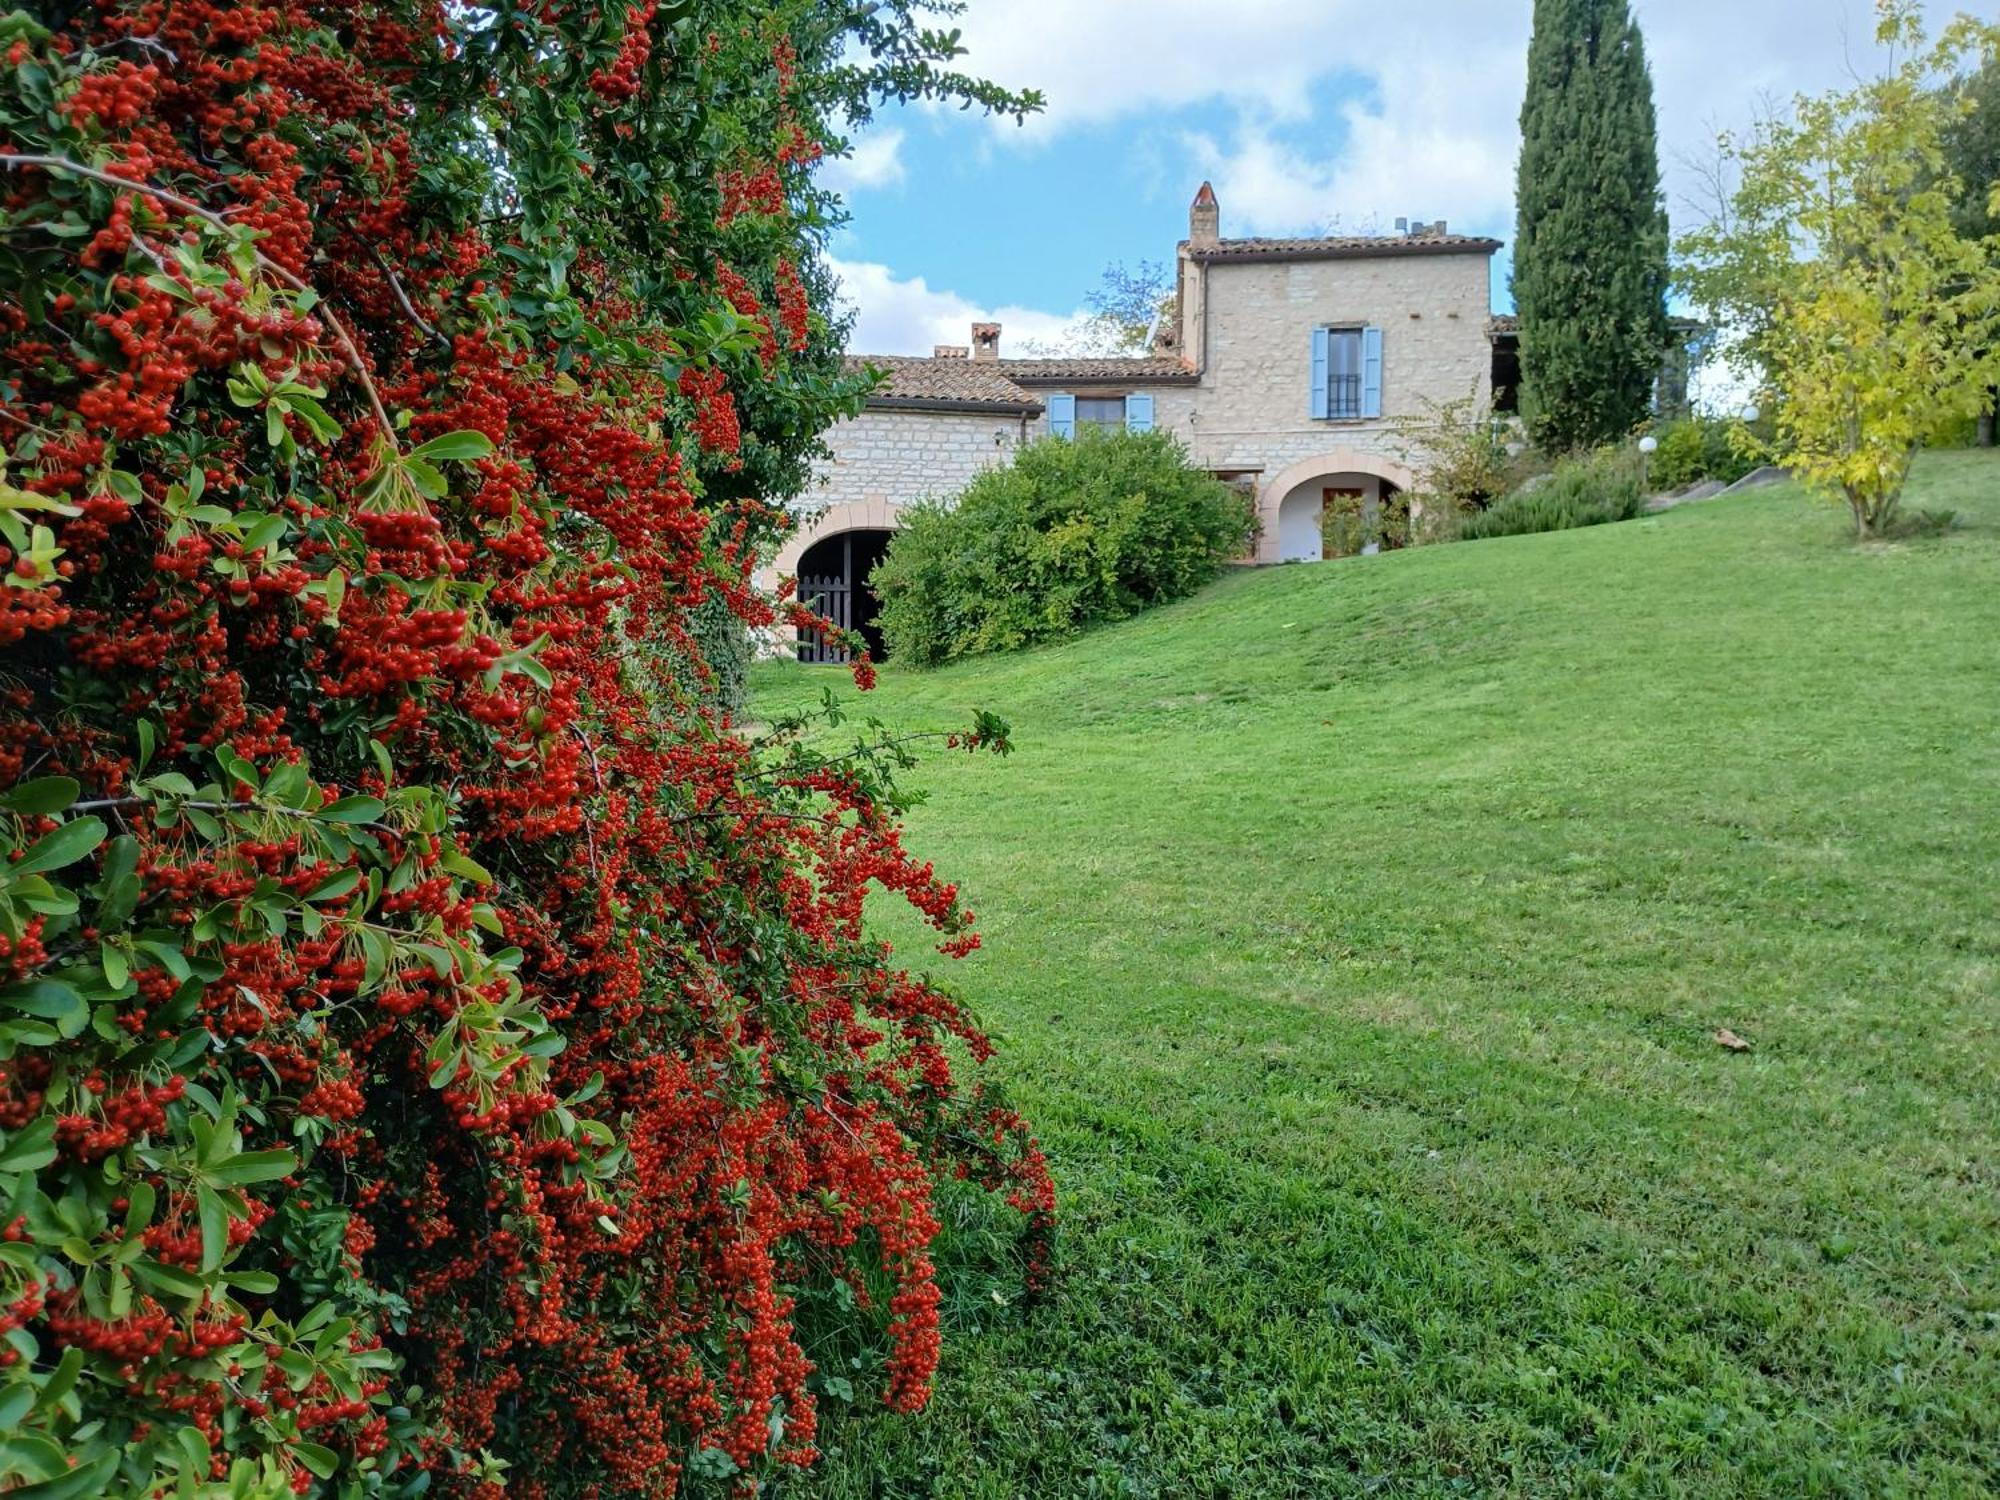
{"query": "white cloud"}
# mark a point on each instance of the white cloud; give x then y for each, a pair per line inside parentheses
(1430, 125)
(1432, 130)
(875, 162)
(907, 316)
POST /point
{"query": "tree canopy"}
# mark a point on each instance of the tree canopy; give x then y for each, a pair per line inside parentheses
(1590, 255)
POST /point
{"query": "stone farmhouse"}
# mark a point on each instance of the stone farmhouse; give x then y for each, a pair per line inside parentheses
(1288, 363)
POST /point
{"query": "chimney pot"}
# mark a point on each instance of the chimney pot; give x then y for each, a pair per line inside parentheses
(950, 351)
(1205, 218)
(985, 340)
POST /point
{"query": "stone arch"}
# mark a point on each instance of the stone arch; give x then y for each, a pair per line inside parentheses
(876, 513)
(1295, 479)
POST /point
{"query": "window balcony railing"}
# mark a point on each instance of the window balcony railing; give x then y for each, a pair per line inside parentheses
(1343, 397)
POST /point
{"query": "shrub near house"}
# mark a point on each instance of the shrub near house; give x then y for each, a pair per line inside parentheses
(1075, 533)
(1587, 490)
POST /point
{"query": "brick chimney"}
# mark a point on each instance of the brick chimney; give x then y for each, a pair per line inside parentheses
(950, 351)
(1204, 218)
(985, 340)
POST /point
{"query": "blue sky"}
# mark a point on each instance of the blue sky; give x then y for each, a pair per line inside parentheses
(1306, 114)
(1032, 225)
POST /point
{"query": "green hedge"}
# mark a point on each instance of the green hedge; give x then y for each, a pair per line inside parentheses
(1693, 449)
(1072, 534)
(1588, 490)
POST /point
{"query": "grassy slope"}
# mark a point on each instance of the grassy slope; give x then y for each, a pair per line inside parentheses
(1357, 934)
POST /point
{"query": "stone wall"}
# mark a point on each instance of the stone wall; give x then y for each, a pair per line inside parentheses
(903, 456)
(1255, 395)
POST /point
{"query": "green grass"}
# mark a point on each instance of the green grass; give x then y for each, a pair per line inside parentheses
(1357, 935)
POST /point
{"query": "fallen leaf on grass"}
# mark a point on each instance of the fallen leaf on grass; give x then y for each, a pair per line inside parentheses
(1724, 1037)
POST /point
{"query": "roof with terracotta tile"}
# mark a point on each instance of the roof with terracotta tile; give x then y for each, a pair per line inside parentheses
(1101, 370)
(919, 384)
(1345, 247)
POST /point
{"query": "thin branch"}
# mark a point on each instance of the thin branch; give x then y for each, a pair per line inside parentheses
(596, 775)
(386, 428)
(115, 804)
(148, 44)
(409, 308)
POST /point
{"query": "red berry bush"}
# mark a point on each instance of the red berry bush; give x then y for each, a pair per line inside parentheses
(439, 1051)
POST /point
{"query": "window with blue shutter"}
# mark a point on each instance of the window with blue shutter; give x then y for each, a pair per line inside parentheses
(1139, 413)
(1062, 416)
(1346, 374)
(1321, 354)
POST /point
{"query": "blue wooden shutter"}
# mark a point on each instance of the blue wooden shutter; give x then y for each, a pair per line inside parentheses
(1371, 372)
(1322, 346)
(1138, 413)
(1062, 416)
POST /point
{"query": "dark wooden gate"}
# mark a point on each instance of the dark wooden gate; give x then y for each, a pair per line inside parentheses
(832, 599)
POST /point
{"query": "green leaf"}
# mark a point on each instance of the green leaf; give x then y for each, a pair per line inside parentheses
(61, 1379)
(428, 479)
(31, 1456)
(87, 1479)
(257, 1283)
(455, 448)
(195, 1447)
(438, 958)
(119, 884)
(322, 1461)
(712, 1463)
(353, 810)
(65, 846)
(214, 1215)
(336, 885)
(50, 999)
(170, 1279)
(44, 795)
(263, 532)
(455, 861)
(324, 427)
(257, 1166)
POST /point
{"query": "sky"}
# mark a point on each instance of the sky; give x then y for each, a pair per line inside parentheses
(1309, 116)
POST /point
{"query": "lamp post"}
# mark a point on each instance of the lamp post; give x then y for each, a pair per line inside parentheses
(1648, 446)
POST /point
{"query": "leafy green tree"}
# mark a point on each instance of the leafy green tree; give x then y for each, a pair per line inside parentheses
(1843, 269)
(1590, 261)
(1126, 309)
(1972, 150)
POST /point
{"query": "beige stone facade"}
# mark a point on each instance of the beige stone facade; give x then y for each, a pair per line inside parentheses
(1234, 379)
(900, 456)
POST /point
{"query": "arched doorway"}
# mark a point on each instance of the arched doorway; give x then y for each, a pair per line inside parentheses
(1327, 506)
(833, 582)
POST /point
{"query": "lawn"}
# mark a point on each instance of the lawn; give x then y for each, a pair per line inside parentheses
(1357, 936)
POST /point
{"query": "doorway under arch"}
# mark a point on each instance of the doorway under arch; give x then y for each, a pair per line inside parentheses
(833, 581)
(1294, 506)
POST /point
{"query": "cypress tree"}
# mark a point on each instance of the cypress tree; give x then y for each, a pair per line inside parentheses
(1590, 255)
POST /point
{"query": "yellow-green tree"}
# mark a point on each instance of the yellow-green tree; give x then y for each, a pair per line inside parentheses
(1838, 265)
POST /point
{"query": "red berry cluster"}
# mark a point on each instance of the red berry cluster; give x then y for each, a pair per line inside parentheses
(566, 1070)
